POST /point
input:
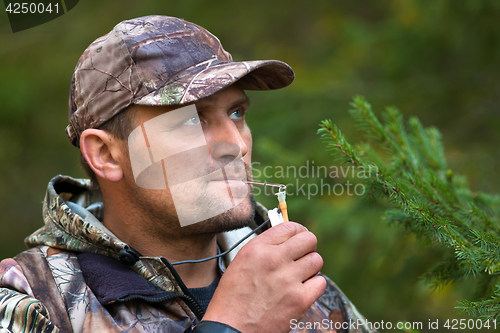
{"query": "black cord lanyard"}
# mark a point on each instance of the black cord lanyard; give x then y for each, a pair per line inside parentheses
(223, 253)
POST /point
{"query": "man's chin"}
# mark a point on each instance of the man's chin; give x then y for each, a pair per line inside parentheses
(197, 202)
(237, 217)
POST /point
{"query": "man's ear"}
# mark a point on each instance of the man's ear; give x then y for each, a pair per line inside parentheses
(103, 153)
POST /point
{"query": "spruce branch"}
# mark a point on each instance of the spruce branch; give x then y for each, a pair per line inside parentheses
(430, 199)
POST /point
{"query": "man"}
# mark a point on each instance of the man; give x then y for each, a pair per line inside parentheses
(157, 108)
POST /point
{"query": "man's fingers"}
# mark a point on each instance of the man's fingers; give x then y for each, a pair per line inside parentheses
(300, 245)
(281, 233)
(314, 288)
(308, 266)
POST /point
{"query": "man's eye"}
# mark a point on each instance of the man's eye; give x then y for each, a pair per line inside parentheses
(236, 114)
(192, 121)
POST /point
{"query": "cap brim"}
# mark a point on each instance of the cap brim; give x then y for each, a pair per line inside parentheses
(252, 75)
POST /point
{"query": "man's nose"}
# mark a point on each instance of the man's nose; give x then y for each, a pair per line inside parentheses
(226, 141)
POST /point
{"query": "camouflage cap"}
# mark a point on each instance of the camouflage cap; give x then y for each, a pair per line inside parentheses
(158, 60)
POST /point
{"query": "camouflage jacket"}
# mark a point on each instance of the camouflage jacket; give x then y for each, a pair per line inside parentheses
(78, 277)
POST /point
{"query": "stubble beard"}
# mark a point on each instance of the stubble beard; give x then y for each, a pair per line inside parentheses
(160, 219)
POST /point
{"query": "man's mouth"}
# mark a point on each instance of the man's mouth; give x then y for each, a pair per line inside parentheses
(241, 179)
(230, 175)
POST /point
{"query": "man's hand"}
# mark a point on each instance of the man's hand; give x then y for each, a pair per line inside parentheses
(271, 280)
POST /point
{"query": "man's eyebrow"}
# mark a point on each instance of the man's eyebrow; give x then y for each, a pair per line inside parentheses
(243, 101)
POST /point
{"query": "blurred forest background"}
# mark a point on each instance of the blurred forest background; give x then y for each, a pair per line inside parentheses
(435, 59)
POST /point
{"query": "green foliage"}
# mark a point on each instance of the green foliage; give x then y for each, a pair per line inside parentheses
(434, 59)
(430, 199)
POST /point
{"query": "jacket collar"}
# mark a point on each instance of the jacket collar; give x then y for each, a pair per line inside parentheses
(111, 280)
(64, 228)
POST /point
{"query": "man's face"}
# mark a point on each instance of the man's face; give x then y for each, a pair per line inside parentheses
(203, 157)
